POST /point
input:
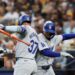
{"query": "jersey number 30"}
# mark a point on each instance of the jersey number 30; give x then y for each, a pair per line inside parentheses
(34, 45)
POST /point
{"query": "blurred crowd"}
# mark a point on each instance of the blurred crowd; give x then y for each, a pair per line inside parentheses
(61, 12)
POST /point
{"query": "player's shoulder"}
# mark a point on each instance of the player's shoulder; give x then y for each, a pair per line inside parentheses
(40, 35)
(57, 36)
(30, 29)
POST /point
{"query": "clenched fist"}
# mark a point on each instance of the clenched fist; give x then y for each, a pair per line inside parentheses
(2, 26)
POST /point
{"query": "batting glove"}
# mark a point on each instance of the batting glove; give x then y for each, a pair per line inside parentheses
(66, 54)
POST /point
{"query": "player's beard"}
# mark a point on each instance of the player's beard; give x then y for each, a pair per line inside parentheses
(49, 36)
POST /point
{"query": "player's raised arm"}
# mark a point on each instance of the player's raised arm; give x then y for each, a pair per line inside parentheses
(68, 36)
(14, 28)
(20, 28)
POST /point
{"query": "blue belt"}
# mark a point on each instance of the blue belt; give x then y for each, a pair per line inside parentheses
(45, 67)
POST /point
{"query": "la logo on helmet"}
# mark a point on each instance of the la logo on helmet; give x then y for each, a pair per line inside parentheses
(50, 27)
(28, 19)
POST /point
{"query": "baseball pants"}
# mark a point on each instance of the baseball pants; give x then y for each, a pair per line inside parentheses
(41, 71)
(25, 67)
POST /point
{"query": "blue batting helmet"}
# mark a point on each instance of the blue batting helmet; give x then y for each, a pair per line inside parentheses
(49, 27)
(24, 18)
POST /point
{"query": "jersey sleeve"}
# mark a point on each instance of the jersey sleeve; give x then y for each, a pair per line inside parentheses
(19, 29)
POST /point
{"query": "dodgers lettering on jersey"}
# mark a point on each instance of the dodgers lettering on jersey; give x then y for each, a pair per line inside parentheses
(25, 51)
(44, 43)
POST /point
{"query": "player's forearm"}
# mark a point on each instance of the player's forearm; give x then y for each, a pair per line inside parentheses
(49, 53)
(15, 29)
(68, 36)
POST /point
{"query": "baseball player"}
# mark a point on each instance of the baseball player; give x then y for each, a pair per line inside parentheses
(25, 64)
(48, 42)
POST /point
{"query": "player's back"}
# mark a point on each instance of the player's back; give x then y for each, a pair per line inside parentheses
(25, 51)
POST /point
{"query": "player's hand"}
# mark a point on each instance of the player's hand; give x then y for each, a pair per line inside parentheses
(2, 26)
(66, 54)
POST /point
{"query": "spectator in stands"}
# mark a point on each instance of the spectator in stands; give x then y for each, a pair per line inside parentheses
(9, 61)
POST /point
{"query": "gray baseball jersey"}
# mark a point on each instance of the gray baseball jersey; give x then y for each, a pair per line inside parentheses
(30, 36)
(44, 43)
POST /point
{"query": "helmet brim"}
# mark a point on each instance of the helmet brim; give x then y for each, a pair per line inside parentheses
(51, 31)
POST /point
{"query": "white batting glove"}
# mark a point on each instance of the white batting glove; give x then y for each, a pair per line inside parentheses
(66, 54)
(2, 26)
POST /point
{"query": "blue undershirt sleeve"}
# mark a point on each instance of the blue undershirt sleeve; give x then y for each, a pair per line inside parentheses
(49, 53)
(68, 36)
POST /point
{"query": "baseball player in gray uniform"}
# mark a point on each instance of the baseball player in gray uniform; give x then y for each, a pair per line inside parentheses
(47, 43)
(25, 55)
